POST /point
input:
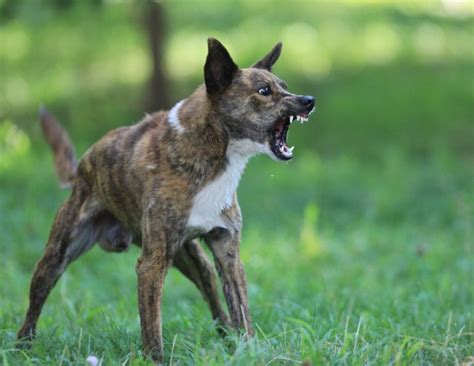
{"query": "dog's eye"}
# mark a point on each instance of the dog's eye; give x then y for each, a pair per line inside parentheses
(265, 91)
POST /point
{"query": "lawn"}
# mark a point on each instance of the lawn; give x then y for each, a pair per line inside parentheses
(359, 251)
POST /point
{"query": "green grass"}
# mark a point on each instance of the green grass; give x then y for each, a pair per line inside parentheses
(360, 251)
(347, 263)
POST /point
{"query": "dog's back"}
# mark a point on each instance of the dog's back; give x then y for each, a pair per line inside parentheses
(117, 160)
(117, 165)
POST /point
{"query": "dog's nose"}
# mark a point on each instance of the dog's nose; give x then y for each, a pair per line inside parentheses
(308, 102)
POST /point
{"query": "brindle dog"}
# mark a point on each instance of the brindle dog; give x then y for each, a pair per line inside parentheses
(167, 181)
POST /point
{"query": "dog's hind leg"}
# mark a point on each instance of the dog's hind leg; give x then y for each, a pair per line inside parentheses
(72, 234)
(191, 260)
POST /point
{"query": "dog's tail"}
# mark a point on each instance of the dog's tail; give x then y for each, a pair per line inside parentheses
(64, 157)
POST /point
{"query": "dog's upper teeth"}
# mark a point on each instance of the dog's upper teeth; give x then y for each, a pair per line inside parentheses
(298, 118)
(292, 118)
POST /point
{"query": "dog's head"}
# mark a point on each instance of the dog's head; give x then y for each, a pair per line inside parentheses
(254, 104)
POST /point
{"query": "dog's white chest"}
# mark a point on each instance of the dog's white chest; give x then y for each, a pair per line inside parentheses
(217, 195)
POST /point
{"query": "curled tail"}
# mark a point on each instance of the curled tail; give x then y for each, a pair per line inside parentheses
(64, 157)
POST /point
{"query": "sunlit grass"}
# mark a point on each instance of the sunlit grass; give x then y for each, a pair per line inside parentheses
(14, 144)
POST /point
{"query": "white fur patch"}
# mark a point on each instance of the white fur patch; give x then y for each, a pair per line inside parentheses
(173, 117)
(218, 195)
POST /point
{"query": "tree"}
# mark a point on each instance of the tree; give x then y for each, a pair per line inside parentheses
(155, 22)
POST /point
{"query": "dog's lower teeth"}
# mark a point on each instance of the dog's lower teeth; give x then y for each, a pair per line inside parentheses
(291, 148)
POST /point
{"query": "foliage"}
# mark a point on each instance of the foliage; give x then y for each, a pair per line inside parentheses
(357, 252)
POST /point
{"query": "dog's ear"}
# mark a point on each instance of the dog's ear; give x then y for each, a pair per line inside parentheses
(272, 57)
(220, 69)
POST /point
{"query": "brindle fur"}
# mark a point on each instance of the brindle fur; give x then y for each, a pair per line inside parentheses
(137, 184)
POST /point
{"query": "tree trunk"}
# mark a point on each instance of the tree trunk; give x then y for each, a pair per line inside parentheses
(154, 15)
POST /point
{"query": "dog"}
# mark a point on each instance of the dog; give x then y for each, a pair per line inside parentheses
(168, 181)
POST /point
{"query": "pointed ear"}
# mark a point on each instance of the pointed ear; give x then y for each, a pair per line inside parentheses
(220, 69)
(272, 57)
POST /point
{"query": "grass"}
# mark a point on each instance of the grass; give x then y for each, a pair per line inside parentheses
(360, 251)
(337, 274)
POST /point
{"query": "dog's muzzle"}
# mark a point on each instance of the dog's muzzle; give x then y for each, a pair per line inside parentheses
(279, 132)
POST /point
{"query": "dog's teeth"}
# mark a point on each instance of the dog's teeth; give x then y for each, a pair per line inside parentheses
(291, 148)
(291, 119)
(298, 118)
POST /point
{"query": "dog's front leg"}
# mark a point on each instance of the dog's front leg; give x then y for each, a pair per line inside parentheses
(224, 245)
(151, 271)
(158, 245)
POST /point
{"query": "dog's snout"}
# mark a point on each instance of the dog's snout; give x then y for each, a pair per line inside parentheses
(308, 101)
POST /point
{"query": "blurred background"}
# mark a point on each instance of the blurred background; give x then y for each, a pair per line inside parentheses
(371, 223)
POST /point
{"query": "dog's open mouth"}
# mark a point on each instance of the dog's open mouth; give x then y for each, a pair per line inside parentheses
(280, 129)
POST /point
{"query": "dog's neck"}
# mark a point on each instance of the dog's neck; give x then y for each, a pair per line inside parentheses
(209, 156)
(217, 192)
(190, 115)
